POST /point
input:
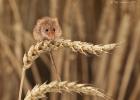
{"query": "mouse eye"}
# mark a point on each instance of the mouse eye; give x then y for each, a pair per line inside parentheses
(54, 29)
(46, 30)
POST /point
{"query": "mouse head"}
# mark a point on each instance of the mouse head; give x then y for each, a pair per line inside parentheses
(47, 29)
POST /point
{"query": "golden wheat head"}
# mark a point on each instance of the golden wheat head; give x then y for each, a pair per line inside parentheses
(39, 91)
(76, 46)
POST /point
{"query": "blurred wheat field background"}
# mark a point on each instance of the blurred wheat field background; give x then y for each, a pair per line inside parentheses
(96, 21)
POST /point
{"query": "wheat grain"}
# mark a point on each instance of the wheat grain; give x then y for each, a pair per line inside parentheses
(76, 46)
(39, 91)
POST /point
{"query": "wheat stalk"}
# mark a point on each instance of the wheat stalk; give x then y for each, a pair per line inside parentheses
(39, 91)
(76, 46)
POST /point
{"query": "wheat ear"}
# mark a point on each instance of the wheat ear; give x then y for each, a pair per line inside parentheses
(39, 91)
(76, 46)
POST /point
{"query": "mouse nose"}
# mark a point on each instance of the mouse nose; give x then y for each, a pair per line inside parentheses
(51, 36)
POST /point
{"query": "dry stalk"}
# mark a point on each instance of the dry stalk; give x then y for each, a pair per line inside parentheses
(76, 46)
(39, 91)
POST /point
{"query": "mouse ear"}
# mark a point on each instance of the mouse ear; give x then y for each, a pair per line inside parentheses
(41, 20)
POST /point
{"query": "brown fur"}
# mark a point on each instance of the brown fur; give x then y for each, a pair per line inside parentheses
(47, 29)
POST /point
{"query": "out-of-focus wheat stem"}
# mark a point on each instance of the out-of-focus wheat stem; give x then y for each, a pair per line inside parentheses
(54, 66)
(117, 57)
(107, 25)
(130, 62)
(67, 30)
(16, 65)
(21, 83)
(76, 46)
(53, 8)
(39, 90)
(15, 10)
(36, 74)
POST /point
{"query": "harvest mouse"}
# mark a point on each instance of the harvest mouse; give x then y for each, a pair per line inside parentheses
(47, 28)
